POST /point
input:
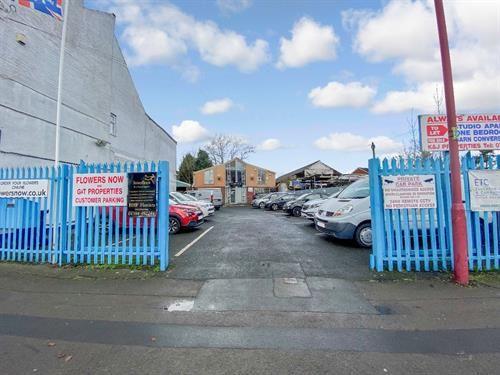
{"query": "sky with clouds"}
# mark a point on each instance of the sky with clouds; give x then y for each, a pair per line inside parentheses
(304, 80)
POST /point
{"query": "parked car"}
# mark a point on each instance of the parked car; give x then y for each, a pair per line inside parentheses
(261, 201)
(309, 209)
(182, 216)
(208, 209)
(348, 215)
(278, 202)
(294, 207)
(213, 196)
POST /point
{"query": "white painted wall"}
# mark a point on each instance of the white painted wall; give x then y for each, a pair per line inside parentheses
(96, 83)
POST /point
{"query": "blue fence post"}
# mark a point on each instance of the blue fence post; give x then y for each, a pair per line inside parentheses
(376, 204)
(163, 182)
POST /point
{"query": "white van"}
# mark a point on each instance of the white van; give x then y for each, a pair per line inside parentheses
(348, 216)
(213, 196)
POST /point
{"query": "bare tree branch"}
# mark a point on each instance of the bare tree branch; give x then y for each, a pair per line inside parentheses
(223, 148)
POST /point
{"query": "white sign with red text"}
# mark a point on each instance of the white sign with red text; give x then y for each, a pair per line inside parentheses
(417, 191)
(475, 132)
(100, 189)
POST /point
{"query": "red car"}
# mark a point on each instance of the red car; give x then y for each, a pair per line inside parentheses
(181, 216)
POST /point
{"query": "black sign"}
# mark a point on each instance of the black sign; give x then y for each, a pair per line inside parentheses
(141, 194)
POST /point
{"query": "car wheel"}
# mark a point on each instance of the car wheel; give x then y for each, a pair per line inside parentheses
(262, 205)
(363, 235)
(174, 225)
(296, 211)
(274, 207)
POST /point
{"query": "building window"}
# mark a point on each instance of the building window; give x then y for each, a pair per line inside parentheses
(261, 177)
(208, 177)
(112, 124)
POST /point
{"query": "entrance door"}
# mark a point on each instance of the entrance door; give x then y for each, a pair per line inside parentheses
(237, 195)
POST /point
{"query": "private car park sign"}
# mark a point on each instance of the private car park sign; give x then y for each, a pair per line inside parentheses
(409, 191)
(474, 132)
(100, 189)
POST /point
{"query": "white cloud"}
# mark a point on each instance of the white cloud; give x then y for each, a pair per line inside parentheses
(156, 34)
(233, 6)
(405, 33)
(353, 142)
(270, 144)
(217, 106)
(336, 94)
(190, 131)
(310, 42)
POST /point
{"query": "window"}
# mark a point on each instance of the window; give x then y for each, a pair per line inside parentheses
(112, 124)
(261, 177)
(208, 177)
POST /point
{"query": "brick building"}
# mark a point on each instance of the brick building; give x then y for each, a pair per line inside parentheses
(237, 180)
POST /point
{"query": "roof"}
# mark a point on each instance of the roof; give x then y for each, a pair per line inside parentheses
(360, 169)
(301, 169)
(180, 183)
(233, 159)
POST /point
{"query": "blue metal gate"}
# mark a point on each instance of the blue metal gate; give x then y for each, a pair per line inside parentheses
(50, 229)
(420, 239)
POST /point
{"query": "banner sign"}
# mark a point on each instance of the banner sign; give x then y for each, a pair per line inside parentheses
(24, 188)
(413, 191)
(142, 194)
(99, 189)
(475, 132)
(484, 190)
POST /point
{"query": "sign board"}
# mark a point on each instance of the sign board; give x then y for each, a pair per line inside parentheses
(142, 194)
(24, 188)
(99, 189)
(484, 190)
(411, 191)
(475, 132)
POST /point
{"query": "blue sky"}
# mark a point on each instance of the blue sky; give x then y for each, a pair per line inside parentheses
(303, 80)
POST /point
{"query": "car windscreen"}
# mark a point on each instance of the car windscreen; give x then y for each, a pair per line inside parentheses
(180, 197)
(189, 197)
(357, 190)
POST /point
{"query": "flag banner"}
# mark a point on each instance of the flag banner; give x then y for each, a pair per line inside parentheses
(51, 7)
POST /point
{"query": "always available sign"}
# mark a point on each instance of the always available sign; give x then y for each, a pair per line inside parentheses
(484, 190)
(475, 132)
(100, 189)
(417, 191)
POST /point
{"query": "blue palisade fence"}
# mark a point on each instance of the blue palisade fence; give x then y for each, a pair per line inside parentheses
(49, 229)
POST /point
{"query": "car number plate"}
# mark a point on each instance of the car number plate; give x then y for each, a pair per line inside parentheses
(321, 224)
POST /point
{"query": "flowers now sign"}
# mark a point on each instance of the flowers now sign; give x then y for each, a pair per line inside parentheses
(100, 189)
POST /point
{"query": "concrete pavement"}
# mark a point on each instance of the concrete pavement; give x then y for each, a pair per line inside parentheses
(260, 293)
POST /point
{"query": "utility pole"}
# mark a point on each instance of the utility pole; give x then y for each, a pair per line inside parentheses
(461, 270)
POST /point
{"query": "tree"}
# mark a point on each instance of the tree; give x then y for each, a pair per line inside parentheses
(202, 160)
(412, 147)
(223, 148)
(186, 168)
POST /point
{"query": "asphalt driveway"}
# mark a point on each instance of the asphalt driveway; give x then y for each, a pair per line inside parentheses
(249, 243)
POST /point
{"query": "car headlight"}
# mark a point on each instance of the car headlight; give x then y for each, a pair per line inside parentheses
(343, 211)
(316, 205)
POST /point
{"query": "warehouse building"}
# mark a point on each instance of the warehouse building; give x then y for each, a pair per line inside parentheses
(237, 180)
(311, 176)
(102, 118)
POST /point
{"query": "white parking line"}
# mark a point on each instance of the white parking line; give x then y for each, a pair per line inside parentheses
(193, 242)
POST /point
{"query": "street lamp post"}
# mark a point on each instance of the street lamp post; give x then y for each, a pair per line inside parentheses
(461, 270)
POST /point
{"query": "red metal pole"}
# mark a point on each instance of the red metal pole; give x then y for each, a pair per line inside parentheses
(461, 271)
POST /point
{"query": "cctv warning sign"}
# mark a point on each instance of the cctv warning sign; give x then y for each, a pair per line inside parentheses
(417, 191)
(100, 189)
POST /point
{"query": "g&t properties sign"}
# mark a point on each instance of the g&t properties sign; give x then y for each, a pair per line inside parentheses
(142, 194)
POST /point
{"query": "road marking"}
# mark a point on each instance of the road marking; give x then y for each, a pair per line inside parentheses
(193, 242)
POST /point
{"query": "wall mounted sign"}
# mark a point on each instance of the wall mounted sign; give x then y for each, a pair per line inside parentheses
(474, 132)
(99, 189)
(24, 188)
(142, 194)
(484, 190)
(411, 191)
